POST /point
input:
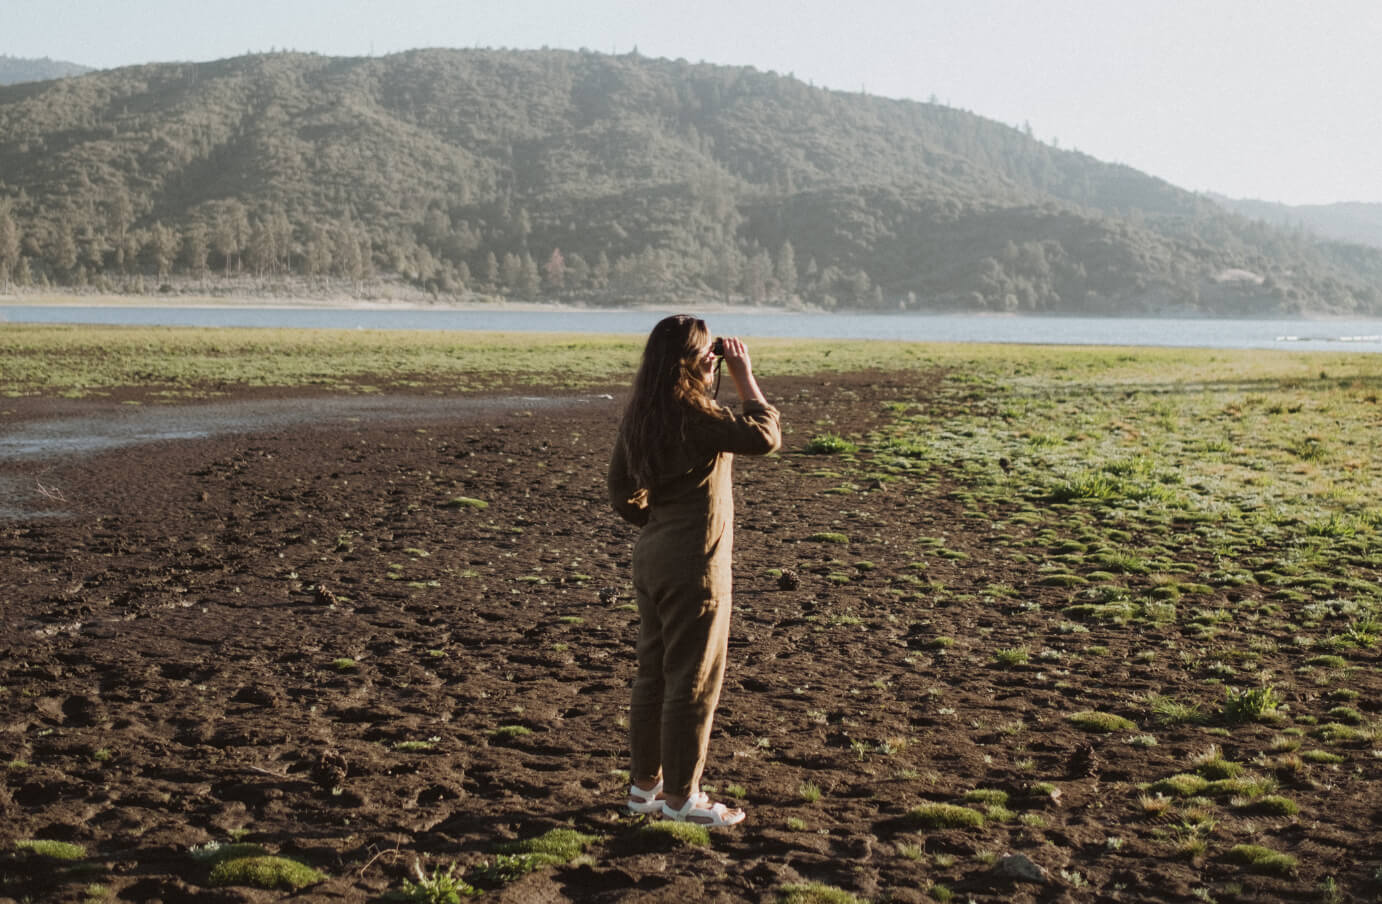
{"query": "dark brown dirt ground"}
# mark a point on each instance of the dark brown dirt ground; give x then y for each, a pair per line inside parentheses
(168, 677)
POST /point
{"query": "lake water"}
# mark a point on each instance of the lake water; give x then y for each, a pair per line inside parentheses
(1323, 335)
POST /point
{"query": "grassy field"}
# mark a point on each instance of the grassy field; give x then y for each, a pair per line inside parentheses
(79, 361)
(88, 361)
(1205, 520)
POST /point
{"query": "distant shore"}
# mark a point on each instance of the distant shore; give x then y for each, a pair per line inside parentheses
(343, 303)
(490, 303)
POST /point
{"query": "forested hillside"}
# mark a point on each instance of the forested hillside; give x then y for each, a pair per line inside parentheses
(608, 179)
(1354, 222)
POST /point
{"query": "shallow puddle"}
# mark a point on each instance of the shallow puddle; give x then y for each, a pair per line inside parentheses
(62, 437)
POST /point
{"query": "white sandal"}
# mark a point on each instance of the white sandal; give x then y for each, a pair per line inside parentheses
(645, 802)
(699, 810)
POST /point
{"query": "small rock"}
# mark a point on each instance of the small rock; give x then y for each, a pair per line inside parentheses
(1017, 868)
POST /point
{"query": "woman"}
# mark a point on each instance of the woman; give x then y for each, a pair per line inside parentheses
(670, 475)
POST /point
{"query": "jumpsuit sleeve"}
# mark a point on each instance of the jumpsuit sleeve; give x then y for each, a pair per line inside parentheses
(757, 431)
(624, 496)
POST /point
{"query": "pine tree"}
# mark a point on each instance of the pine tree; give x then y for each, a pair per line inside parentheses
(491, 271)
(162, 249)
(195, 249)
(9, 245)
(511, 271)
(786, 270)
(577, 272)
(64, 253)
(530, 282)
(555, 270)
(600, 276)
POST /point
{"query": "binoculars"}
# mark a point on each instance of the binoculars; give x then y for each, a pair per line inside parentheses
(718, 348)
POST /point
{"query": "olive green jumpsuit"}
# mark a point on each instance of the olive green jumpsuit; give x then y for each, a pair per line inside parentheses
(681, 576)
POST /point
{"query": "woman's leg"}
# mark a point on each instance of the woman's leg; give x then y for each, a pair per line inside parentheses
(695, 636)
(645, 711)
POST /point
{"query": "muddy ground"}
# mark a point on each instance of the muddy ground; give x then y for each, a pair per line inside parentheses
(195, 631)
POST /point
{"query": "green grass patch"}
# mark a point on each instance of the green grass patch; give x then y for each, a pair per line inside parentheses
(442, 886)
(1093, 720)
(830, 444)
(1274, 805)
(1263, 860)
(1170, 711)
(565, 844)
(1245, 786)
(1219, 768)
(510, 732)
(688, 834)
(987, 796)
(1339, 733)
(515, 859)
(265, 872)
(1256, 704)
(1184, 784)
(1011, 657)
(945, 816)
(815, 893)
(57, 850)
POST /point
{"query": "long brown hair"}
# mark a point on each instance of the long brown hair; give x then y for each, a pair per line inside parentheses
(667, 390)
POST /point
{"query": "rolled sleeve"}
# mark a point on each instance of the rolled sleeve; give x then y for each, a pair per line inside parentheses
(624, 495)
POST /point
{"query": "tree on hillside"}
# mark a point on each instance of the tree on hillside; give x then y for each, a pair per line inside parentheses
(162, 249)
(785, 270)
(599, 276)
(530, 280)
(511, 271)
(9, 245)
(230, 233)
(195, 249)
(64, 251)
(555, 270)
(119, 219)
(577, 273)
(491, 271)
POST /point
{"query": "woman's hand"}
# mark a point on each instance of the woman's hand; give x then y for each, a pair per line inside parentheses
(737, 355)
(741, 370)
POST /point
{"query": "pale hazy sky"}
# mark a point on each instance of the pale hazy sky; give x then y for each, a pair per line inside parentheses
(1279, 100)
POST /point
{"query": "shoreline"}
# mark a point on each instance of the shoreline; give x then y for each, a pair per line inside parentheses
(242, 302)
(491, 305)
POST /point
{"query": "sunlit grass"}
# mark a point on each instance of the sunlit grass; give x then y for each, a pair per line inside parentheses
(87, 360)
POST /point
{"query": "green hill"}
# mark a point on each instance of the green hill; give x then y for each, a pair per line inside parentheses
(1355, 222)
(19, 69)
(609, 179)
